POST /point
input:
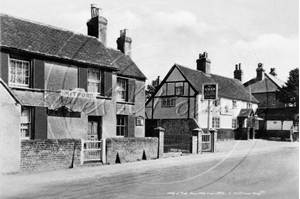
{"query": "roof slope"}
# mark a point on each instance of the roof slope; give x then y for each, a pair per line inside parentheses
(51, 41)
(228, 87)
(125, 64)
(269, 84)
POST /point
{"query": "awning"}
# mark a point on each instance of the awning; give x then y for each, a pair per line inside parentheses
(30, 98)
(54, 101)
(246, 113)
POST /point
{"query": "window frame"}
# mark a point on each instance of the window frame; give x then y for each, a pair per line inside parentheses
(121, 97)
(234, 104)
(234, 123)
(28, 124)
(98, 82)
(29, 76)
(123, 126)
(179, 86)
(167, 102)
(215, 122)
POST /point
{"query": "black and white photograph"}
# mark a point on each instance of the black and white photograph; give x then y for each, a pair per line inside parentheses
(149, 99)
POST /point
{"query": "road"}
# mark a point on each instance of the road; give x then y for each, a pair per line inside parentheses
(254, 172)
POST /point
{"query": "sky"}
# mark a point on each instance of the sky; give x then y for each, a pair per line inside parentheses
(165, 32)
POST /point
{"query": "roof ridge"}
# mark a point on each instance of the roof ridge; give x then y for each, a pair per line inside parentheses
(46, 25)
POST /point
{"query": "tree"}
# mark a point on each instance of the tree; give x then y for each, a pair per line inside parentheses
(289, 94)
(151, 88)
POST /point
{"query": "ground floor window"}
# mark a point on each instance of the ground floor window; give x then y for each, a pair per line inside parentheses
(234, 123)
(122, 125)
(26, 120)
(216, 122)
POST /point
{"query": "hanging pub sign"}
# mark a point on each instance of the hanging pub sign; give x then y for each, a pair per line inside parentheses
(79, 93)
(210, 91)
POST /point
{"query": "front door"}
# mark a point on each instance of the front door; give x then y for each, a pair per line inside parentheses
(94, 130)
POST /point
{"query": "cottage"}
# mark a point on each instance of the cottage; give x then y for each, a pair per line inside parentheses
(71, 85)
(277, 118)
(180, 96)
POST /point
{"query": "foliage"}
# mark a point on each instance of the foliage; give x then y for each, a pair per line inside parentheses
(289, 94)
(151, 88)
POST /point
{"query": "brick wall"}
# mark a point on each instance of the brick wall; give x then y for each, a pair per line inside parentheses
(131, 148)
(49, 154)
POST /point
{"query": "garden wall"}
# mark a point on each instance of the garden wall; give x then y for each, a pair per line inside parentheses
(49, 154)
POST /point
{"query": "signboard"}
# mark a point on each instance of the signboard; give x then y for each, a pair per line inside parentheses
(80, 93)
(210, 91)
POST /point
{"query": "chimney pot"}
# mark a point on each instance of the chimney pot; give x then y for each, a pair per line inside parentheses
(97, 25)
(203, 63)
(260, 72)
(238, 73)
(124, 42)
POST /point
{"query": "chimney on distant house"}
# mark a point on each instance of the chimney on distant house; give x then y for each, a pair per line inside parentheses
(238, 73)
(97, 25)
(273, 72)
(124, 42)
(260, 72)
(203, 63)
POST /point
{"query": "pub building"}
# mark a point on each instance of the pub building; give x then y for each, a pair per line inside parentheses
(71, 85)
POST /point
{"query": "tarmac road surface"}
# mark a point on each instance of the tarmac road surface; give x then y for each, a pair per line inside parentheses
(245, 169)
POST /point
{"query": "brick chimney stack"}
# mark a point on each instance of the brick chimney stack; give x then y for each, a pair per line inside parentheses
(124, 42)
(260, 72)
(203, 63)
(273, 72)
(238, 73)
(97, 25)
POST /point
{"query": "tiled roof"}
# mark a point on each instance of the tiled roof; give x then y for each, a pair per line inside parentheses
(228, 87)
(50, 41)
(125, 64)
(269, 84)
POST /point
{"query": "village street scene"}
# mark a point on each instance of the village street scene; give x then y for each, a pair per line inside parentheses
(143, 99)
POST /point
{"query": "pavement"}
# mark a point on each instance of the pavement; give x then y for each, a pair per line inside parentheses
(21, 182)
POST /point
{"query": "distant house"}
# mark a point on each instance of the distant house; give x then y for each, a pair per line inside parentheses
(180, 96)
(278, 118)
(71, 85)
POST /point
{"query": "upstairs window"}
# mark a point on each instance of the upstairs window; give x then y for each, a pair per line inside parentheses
(179, 88)
(216, 103)
(19, 73)
(26, 123)
(168, 102)
(249, 105)
(95, 80)
(122, 89)
(234, 104)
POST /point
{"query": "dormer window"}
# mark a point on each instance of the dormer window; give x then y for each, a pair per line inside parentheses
(19, 73)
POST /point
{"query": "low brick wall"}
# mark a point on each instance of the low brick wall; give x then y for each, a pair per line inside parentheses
(131, 148)
(49, 154)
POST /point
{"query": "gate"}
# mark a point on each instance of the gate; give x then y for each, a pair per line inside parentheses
(206, 142)
(90, 151)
